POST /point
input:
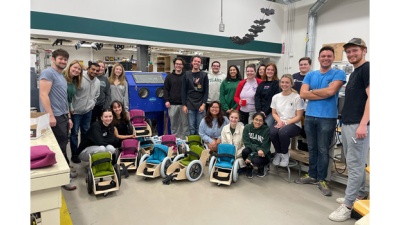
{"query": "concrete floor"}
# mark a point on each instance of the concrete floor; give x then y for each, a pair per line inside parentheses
(267, 200)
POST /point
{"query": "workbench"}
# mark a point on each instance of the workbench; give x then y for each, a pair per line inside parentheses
(46, 183)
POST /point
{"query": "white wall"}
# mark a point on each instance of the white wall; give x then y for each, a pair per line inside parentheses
(337, 21)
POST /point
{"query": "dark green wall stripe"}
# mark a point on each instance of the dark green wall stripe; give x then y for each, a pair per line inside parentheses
(57, 22)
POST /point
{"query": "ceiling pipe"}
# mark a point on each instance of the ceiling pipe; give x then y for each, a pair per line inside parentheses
(311, 25)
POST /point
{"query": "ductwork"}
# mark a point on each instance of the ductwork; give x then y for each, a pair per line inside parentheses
(311, 24)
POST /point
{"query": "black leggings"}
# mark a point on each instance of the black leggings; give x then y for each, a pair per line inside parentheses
(257, 160)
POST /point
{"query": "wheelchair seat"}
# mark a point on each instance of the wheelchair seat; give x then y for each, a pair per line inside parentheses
(138, 120)
(101, 164)
(225, 156)
(193, 154)
(158, 154)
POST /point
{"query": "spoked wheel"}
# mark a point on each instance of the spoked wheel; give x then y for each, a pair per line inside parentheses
(194, 170)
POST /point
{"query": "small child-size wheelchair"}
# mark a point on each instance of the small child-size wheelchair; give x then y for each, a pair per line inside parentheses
(129, 157)
(224, 166)
(102, 176)
(138, 120)
(155, 164)
(188, 165)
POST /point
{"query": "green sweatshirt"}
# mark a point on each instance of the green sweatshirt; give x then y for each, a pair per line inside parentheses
(226, 94)
(257, 139)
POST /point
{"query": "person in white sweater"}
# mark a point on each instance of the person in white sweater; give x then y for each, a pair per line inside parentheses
(232, 134)
(215, 78)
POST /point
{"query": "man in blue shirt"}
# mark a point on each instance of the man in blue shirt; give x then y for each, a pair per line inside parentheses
(321, 88)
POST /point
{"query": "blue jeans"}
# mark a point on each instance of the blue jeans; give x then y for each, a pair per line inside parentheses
(195, 117)
(319, 133)
(82, 122)
(269, 120)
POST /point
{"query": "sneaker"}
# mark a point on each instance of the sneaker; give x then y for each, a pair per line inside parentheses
(69, 187)
(306, 180)
(341, 214)
(249, 172)
(284, 160)
(323, 186)
(75, 159)
(262, 171)
(277, 159)
(341, 200)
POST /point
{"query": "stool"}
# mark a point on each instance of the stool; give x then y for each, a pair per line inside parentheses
(291, 163)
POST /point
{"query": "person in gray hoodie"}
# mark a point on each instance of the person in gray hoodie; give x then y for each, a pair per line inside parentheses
(82, 105)
(104, 99)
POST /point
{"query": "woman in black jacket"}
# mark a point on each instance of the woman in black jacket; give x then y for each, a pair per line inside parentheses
(99, 138)
(266, 90)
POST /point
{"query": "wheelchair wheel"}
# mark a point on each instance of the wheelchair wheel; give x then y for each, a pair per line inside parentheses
(178, 157)
(89, 184)
(235, 169)
(164, 166)
(143, 158)
(118, 172)
(194, 170)
(138, 158)
(213, 160)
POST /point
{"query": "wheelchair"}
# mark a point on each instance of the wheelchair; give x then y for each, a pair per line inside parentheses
(170, 141)
(139, 122)
(102, 176)
(155, 164)
(129, 157)
(146, 145)
(188, 165)
(223, 167)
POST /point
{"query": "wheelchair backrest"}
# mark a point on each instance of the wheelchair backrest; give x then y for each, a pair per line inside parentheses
(130, 147)
(169, 140)
(225, 153)
(158, 154)
(102, 164)
(193, 154)
(138, 118)
(194, 140)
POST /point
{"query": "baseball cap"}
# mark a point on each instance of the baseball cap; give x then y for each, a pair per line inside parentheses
(355, 41)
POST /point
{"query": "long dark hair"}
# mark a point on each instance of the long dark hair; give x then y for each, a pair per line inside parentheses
(209, 118)
(238, 75)
(124, 116)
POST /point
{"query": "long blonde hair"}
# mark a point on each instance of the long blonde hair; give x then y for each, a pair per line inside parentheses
(291, 81)
(113, 76)
(73, 80)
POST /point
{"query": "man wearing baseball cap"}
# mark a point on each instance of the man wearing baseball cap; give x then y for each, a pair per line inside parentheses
(355, 128)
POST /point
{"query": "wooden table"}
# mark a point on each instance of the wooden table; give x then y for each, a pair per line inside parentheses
(46, 183)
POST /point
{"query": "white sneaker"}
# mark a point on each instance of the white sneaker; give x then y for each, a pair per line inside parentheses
(277, 159)
(285, 160)
(340, 200)
(341, 214)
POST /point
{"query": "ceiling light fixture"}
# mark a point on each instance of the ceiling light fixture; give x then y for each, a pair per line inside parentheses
(57, 42)
(118, 47)
(79, 44)
(96, 46)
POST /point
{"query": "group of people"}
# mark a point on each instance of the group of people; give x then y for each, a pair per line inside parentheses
(263, 108)
(80, 100)
(250, 113)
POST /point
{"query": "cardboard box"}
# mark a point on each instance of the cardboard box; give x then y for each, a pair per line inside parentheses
(40, 124)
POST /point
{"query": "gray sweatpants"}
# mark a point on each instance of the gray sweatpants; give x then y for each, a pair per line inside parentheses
(179, 121)
(356, 158)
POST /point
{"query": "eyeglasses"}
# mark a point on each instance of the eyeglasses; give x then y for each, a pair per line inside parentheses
(178, 64)
(259, 120)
